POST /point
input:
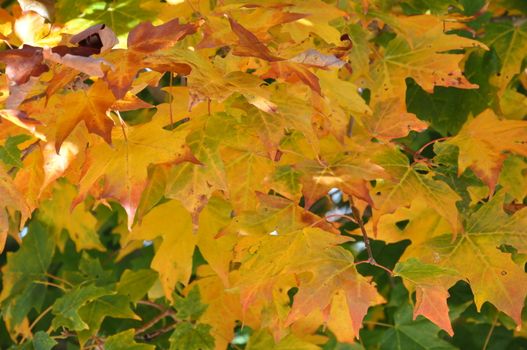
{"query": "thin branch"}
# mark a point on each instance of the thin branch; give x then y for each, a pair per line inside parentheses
(376, 264)
(152, 304)
(358, 218)
(24, 153)
(153, 321)
(158, 332)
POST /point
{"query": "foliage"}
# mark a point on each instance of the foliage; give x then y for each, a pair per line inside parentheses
(300, 174)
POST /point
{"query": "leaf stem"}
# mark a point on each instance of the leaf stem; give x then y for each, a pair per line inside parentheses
(420, 150)
(47, 283)
(39, 317)
(152, 304)
(59, 279)
(491, 330)
(170, 100)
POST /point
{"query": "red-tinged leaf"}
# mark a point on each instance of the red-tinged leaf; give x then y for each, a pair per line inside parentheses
(147, 38)
(130, 103)
(21, 64)
(484, 141)
(143, 41)
(20, 119)
(124, 166)
(11, 201)
(390, 120)
(61, 77)
(249, 45)
(293, 73)
(431, 284)
(90, 106)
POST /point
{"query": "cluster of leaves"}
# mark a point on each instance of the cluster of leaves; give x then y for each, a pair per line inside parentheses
(303, 174)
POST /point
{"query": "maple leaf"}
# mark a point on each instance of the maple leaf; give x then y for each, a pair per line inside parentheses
(30, 263)
(193, 183)
(390, 120)
(90, 106)
(223, 307)
(407, 183)
(329, 269)
(422, 56)
(349, 170)
(431, 285)
(509, 41)
(483, 142)
(144, 40)
(276, 215)
(123, 166)
(335, 281)
(12, 200)
(173, 259)
(23, 63)
(79, 223)
(249, 45)
(216, 246)
(475, 256)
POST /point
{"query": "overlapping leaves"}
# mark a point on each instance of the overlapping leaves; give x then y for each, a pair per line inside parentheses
(179, 182)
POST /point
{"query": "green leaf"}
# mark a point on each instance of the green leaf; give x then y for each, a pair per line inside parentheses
(10, 154)
(135, 284)
(66, 308)
(510, 42)
(94, 312)
(190, 306)
(409, 334)
(125, 340)
(42, 341)
(29, 264)
(187, 336)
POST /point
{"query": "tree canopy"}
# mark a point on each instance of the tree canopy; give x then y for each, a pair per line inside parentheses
(228, 174)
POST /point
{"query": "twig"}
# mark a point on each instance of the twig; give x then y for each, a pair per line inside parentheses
(152, 304)
(153, 321)
(357, 215)
(158, 332)
(24, 153)
(374, 263)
